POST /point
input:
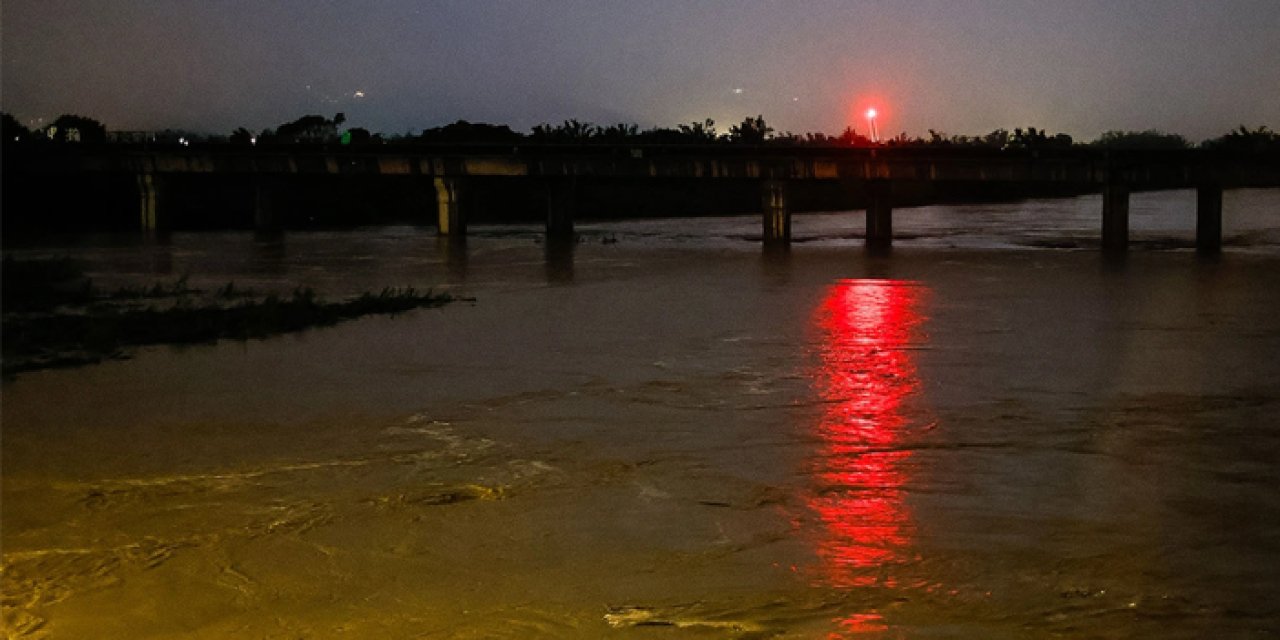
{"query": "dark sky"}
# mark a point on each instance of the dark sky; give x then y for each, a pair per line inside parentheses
(1196, 67)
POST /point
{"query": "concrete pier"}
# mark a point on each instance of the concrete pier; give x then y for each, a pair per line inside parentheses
(879, 214)
(776, 215)
(449, 218)
(558, 252)
(148, 201)
(1115, 217)
(1209, 219)
(561, 204)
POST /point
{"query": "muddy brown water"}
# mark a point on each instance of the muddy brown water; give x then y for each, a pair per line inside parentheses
(667, 436)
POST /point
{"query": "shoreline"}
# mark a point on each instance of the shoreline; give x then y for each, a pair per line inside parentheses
(54, 317)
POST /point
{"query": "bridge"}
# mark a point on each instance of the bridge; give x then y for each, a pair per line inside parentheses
(776, 170)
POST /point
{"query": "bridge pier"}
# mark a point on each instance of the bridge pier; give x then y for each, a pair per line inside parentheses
(1209, 218)
(879, 214)
(148, 202)
(558, 254)
(1115, 217)
(449, 218)
(561, 204)
(775, 212)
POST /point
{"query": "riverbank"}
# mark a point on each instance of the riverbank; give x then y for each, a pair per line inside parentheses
(54, 316)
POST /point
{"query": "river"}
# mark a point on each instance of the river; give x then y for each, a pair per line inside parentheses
(663, 431)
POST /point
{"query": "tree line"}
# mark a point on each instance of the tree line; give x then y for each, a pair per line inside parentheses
(70, 128)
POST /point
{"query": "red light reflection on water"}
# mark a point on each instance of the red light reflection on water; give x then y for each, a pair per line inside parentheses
(860, 624)
(865, 374)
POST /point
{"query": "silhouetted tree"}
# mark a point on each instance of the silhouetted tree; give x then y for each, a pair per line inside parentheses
(704, 131)
(940, 139)
(308, 128)
(998, 139)
(73, 128)
(617, 132)
(569, 131)
(693, 133)
(751, 131)
(11, 130)
(817, 138)
(904, 140)
(1033, 138)
(1244, 139)
(463, 131)
(851, 137)
(787, 139)
(241, 136)
(1149, 139)
(358, 135)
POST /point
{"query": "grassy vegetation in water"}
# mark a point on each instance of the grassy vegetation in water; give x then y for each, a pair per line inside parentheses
(54, 317)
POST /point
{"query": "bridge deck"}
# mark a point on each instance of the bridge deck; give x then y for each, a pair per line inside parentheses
(774, 168)
(1139, 169)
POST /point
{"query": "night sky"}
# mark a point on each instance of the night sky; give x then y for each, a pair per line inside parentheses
(1196, 67)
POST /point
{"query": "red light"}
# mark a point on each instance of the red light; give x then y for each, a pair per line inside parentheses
(865, 375)
(872, 111)
(871, 120)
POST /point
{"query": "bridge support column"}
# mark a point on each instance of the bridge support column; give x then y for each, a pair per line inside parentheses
(148, 202)
(775, 212)
(561, 204)
(449, 218)
(558, 252)
(879, 214)
(1115, 217)
(1209, 219)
